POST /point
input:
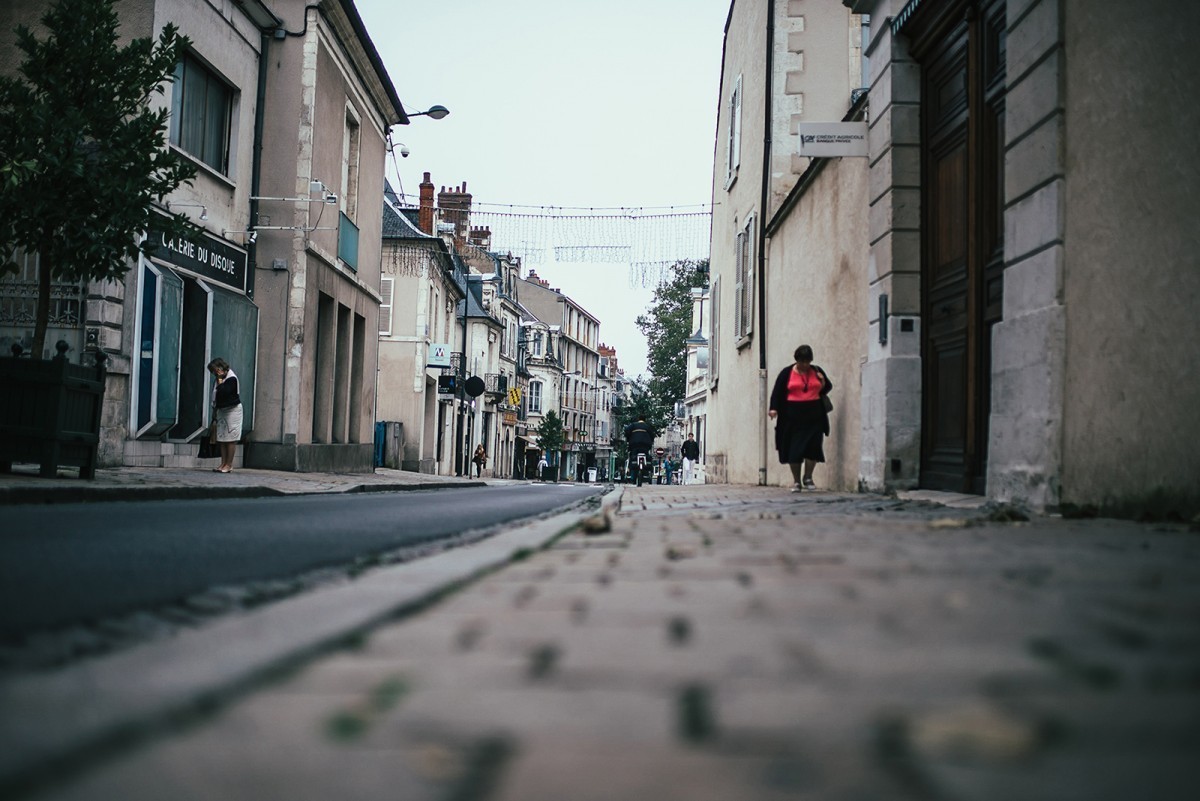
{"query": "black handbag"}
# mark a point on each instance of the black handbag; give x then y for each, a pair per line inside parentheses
(827, 403)
(208, 447)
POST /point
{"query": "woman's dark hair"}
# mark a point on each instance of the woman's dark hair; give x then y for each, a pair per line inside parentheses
(803, 354)
(218, 364)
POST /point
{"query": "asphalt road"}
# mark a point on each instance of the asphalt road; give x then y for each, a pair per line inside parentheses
(76, 563)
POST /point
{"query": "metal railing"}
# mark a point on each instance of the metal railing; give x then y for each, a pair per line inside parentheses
(495, 384)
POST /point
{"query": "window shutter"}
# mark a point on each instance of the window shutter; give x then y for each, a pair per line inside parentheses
(733, 158)
(386, 289)
(739, 282)
(715, 342)
(747, 295)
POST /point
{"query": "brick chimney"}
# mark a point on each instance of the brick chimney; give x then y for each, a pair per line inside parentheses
(455, 206)
(425, 214)
(481, 237)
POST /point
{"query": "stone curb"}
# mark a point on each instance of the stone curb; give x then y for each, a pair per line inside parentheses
(56, 723)
(14, 496)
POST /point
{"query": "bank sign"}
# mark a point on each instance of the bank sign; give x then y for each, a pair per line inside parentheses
(201, 254)
(832, 139)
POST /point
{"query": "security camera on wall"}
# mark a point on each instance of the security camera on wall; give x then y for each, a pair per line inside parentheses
(403, 152)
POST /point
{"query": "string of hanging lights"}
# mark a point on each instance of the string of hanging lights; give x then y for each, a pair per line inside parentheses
(647, 239)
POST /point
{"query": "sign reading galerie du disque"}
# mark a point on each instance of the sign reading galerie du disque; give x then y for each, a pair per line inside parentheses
(832, 139)
(202, 254)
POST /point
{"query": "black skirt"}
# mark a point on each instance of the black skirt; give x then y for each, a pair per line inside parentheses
(800, 432)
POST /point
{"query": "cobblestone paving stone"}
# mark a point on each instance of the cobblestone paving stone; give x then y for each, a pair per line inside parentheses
(743, 643)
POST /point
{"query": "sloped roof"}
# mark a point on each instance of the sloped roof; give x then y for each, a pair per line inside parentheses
(397, 222)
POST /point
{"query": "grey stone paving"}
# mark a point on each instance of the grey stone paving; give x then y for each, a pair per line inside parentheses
(745, 643)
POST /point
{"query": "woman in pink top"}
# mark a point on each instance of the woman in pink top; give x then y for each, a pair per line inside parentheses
(799, 408)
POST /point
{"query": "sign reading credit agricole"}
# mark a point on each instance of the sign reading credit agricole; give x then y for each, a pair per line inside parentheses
(202, 254)
(832, 139)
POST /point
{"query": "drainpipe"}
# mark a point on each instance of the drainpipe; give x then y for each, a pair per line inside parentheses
(762, 241)
(256, 157)
(458, 429)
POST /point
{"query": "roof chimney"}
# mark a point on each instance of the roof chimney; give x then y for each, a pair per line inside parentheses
(425, 214)
(455, 206)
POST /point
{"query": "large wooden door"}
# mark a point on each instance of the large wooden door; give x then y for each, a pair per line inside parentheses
(960, 46)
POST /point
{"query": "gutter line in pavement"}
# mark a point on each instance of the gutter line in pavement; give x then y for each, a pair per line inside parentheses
(58, 724)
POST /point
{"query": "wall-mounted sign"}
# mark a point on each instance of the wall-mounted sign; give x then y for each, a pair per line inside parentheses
(201, 254)
(474, 386)
(439, 355)
(832, 139)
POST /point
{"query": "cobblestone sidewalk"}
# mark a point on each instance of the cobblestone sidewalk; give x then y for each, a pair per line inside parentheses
(743, 643)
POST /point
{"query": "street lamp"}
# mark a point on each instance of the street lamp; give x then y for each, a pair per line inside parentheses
(435, 112)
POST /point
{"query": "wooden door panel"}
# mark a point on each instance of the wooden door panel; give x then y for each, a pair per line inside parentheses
(962, 57)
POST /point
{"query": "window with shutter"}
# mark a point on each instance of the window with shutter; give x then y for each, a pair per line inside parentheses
(739, 282)
(715, 341)
(746, 292)
(733, 154)
(386, 286)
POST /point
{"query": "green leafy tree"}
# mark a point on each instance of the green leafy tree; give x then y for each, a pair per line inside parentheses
(667, 324)
(82, 153)
(551, 436)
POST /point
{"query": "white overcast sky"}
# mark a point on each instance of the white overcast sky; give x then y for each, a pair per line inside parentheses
(560, 103)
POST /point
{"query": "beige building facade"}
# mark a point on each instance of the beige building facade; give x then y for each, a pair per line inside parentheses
(1025, 236)
(418, 332)
(578, 358)
(193, 300)
(773, 242)
(329, 106)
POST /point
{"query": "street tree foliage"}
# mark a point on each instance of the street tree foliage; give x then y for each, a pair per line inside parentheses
(667, 324)
(551, 436)
(82, 154)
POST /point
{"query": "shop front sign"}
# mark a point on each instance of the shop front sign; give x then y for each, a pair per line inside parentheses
(201, 254)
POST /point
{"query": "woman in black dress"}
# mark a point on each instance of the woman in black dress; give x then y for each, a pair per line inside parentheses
(800, 407)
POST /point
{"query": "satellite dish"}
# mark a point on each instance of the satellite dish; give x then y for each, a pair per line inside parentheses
(474, 386)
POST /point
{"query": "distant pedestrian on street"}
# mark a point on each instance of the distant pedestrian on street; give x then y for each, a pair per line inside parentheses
(640, 436)
(800, 407)
(480, 459)
(669, 468)
(541, 468)
(227, 412)
(690, 450)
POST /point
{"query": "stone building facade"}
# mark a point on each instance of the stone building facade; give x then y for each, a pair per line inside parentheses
(328, 107)
(1024, 240)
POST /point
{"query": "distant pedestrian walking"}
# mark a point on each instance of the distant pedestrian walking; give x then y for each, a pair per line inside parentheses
(480, 459)
(800, 406)
(690, 450)
(541, 468)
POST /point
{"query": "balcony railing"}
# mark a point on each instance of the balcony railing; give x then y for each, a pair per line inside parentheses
(495, 384)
